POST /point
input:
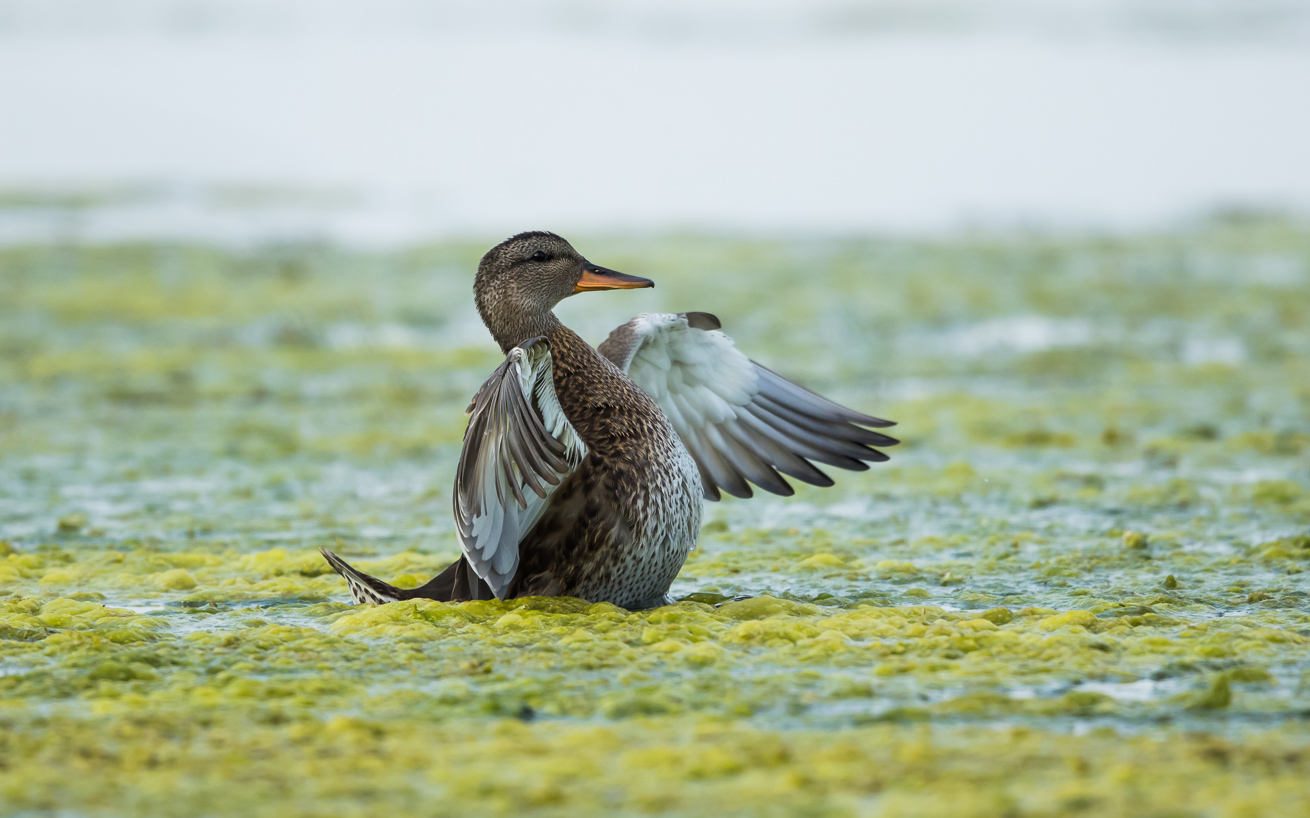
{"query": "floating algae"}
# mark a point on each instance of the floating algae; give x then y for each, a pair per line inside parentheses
(1079, 588)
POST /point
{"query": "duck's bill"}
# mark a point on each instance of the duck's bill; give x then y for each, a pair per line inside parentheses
(600, 278)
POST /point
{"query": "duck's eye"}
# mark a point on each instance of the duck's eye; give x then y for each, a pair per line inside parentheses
(540, 255)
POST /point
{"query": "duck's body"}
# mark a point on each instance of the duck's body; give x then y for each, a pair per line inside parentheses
(583, 470)
(621, 524)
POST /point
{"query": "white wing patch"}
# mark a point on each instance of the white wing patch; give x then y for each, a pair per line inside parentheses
(518, 447)
(553, 416)
(700, 374)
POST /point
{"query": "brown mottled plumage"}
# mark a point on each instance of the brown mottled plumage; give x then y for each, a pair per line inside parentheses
(579, 484)
(601, 536)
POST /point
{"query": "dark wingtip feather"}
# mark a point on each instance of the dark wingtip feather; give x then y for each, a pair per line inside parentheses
(741, 492)
(778, 387)
(879, 423)
(773, 483)
(702, 320)
(814, 477)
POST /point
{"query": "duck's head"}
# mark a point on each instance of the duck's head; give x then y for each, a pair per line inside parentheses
(521, 280)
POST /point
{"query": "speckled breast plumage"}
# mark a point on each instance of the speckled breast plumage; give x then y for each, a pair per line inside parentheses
(621, 525)
(666, 525)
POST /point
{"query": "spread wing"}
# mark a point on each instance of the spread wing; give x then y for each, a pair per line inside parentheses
(742, 423)
(517, 449)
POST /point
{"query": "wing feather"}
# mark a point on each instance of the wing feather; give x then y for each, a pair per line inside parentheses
(518, 447)
(784, 391)
(729, 476)
(748, 462)
(759, 467)
(780, 431)
(782, 458)
(830, 439)
(742, 422)
(826, 425)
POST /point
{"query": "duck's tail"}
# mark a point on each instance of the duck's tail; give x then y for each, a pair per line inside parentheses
(363, 588)
(455, 584)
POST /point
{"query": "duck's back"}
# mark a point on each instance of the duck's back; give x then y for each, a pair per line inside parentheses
(618, 528)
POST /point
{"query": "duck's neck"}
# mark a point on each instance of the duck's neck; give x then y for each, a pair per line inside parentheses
(512, 330)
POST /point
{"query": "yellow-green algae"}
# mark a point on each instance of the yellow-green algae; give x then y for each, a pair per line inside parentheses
(1079, 588)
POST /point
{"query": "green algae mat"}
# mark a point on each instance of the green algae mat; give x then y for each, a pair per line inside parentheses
(1079, 588)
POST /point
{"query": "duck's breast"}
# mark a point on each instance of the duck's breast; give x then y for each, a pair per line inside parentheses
(660, 525)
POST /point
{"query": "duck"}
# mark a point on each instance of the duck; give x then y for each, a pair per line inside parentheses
(584, 470)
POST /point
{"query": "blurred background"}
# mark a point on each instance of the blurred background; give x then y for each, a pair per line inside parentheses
(396, 120)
